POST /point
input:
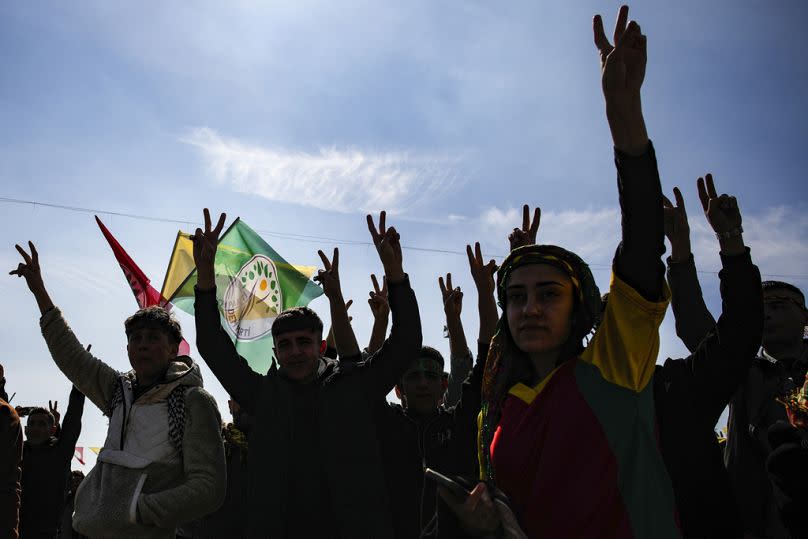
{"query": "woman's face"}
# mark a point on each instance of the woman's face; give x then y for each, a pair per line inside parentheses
(539, 304)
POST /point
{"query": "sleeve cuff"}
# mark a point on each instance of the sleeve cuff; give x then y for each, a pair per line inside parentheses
(625, 158)
(681, 263)
(466, 357)
(50, 315)
(198, 292)
(732, 261)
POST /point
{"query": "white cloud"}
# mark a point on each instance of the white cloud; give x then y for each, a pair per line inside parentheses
(346, 181)
(591, 233)
(777, 237)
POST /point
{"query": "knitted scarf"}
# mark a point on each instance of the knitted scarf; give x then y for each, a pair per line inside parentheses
(176, 409)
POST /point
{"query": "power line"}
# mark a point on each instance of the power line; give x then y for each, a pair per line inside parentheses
(304, 237)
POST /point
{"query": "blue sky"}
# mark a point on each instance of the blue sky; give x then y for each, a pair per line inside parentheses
(299, 117)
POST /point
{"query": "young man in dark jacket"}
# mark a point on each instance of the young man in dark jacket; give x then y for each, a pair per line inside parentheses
(690, 394)
(46, 467)
(421, 432)
(320, 471)
(758, 383)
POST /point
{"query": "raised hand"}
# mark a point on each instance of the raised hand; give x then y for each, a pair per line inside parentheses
(723, 214)
(29, 268)
(482, 272)
(677, 229)
(330, 340)
(388, 245)
(347, 307)
(205, 242)
(379, 304)
(483, 275)
(53, 408)
(452, 298)
(329, 276)
(622, 64)
(622, 74)
(527, 234)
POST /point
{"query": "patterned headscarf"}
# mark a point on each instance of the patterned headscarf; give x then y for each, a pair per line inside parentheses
(505, 359)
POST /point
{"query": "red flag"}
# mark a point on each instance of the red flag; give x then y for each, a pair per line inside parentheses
(145, 294)
(78, 454)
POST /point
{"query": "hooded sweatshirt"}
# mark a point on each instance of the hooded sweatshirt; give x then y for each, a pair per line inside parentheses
(163, 460)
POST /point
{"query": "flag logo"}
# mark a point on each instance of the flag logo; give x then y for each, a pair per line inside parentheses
(253, 299)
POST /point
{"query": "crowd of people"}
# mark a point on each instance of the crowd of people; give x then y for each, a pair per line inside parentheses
(563, 424)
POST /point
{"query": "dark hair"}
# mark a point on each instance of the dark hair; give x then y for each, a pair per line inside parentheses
(42, 411)
(522, 371)
(76, 473)
(295, 319)
(774, 285)
(431, 353)
(156, 317)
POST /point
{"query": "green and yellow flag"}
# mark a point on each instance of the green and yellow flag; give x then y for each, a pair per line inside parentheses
(253, 285)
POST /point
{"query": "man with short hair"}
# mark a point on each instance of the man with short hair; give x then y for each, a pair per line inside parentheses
(779, 368)
(317, 470)
(162, 463)
(46, 467)
(422, 432)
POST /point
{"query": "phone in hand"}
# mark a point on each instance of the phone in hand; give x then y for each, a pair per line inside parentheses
(450, 484)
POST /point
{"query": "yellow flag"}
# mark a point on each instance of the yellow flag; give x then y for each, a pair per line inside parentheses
(181, 264)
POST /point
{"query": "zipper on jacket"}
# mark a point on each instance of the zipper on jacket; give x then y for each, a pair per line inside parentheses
(123, 422)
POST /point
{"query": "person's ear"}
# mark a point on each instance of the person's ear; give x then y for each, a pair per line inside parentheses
(444, 383)
(174, 349)
(323, 346)
(52, 430)
(399, 394)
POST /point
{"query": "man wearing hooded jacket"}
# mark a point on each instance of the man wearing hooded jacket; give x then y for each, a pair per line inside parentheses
(162, 462)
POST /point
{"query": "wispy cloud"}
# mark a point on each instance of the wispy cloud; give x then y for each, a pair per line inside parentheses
(778, 237)
(592, 233)
(343, 180)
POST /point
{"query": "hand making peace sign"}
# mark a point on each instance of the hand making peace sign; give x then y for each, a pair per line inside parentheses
(205, 242)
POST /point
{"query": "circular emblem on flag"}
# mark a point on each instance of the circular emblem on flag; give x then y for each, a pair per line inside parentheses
(253, 299)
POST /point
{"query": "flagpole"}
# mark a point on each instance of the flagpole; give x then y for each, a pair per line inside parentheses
(170, 261)
(188, 278)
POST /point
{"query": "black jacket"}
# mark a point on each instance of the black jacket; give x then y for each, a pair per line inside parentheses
(787, 466)
(45, 471)
(690, 394)
(753, 407)
(410, 444)
(320, 469)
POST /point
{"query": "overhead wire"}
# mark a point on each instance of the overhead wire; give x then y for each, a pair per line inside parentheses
(302, 237)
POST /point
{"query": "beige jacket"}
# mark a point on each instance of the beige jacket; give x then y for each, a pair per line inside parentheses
(162, 463)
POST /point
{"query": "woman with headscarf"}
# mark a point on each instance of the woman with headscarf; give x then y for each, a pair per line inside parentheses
(567, 432)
